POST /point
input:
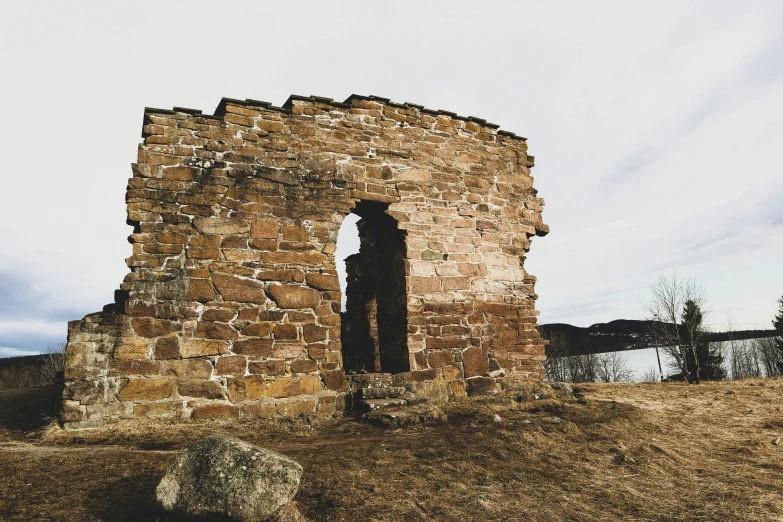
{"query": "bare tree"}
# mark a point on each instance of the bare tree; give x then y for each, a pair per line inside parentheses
(744, 361)
(582, 368)
(770, 357)
(556, 358)
(649, 375)
(673, 322)
(53, 364)
(43, 370)
(613, 367)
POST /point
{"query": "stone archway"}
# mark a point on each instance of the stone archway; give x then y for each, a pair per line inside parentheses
(374, 324)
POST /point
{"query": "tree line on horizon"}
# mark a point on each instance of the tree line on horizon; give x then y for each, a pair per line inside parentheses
(676, 310)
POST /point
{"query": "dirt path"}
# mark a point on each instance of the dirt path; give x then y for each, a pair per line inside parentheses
(37, 449)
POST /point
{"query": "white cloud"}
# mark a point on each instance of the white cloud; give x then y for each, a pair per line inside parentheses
(6, 351)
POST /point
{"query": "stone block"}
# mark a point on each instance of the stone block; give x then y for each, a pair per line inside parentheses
(71, 411)
(293, 386)
(216, 315)
(456, 283)
(166, 347)
(434, 390)
(482, 386)
(222, 226)
(323, 282)
(200, 290)
(420, 375)
(132, 348)
(202, 389)
(316, 351)
(202, 348)
(214, 411)
(296, 407)
(120, 367)
(146, 390)
(253, 347)
(295, 233)
(285, 331)
(264, 229)
(150, 327)
(440, 343)
(161, 410)
(424, 285)
(366, 405)
(440, 358)
(231, 365)
(258, 329)
(282, 276)
(313, 333)
(239, 289)
(261, 409)
(390, 392)
(249, 388)
(472, 269)
(288, 350)
(210, 330)
(269, 367)
(303, 366)
(290, 296)
(187, 369)
(475, 362)
(378, 380)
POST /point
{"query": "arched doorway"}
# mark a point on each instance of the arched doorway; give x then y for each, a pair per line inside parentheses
(374, 320)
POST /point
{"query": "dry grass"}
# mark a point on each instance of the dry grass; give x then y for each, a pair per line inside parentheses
(615, 452)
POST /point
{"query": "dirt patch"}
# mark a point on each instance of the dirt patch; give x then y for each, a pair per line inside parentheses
(630, 452)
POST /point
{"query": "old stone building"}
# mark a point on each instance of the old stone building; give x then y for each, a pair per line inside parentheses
(232, 304)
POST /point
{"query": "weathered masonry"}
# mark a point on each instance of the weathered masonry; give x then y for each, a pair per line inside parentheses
(232, 305)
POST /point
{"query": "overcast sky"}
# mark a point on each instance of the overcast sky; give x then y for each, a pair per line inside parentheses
(657, 129)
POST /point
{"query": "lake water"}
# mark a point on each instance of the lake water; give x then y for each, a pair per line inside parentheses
(643, 360)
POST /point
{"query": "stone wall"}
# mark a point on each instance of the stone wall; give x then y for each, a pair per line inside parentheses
(232, 304)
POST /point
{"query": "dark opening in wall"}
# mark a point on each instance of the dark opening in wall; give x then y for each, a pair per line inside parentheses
(374, 323)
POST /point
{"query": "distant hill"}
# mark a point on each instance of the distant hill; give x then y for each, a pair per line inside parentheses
(625, 334)
(31, 370)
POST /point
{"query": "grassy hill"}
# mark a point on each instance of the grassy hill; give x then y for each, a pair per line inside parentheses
(635, 452)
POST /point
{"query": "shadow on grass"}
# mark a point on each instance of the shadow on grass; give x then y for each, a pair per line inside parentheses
(132, 498)
(127, 498)
(29, 409)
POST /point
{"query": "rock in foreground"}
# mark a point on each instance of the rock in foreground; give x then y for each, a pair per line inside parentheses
(224, 477)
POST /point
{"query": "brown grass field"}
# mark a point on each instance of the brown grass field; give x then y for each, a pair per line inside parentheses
(627, 452)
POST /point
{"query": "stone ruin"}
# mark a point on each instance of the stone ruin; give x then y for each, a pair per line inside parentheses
(233, 304)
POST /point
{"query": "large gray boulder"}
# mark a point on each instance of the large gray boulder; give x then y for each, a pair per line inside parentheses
(226, 478)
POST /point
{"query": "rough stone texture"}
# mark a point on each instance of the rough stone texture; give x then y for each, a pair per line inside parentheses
(235, 219)
(220, 476)
(422, 414)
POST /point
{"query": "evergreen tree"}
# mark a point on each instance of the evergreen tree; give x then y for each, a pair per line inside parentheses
(690, 336)
(675, 312)
(710, 361)
(702, 361)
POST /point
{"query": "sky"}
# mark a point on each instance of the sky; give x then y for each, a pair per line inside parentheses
(657, 129)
